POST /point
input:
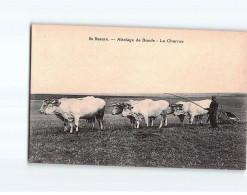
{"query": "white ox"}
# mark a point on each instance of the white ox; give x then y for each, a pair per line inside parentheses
(46, 102)
(72, 109)
(194, 111)
(134, 118)
(148, 109)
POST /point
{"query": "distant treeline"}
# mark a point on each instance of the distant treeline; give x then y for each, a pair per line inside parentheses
(57, 96)
(187, 95)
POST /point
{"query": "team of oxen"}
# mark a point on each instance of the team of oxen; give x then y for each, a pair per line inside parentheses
(71, 110)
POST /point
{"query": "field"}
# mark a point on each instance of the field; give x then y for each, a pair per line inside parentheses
(189, 146)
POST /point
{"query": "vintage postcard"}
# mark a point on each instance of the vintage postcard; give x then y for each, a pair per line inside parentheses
(144, 97)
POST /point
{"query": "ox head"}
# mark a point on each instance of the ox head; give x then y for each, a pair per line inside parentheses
(177, 109)
(44, 105)
(171, 108)
(127, 109)
(118, 109)
(52, 107)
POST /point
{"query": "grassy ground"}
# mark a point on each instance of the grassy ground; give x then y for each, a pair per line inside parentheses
(190, 146)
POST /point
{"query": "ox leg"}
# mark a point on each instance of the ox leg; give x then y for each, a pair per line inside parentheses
(192, 119)
(100, 121)
(100, 117)
(101, 124)
(94, 119)
(208, 119)
(71, 127)
(76, 121)
(161, 123)
(66, 125)
(152, 122)
(146, 120)
(92, 123)
(71, 123)
(196, 119)
(163, 117)
(165, 120)
(181, 118)
(137, 124)
(88, 122)
(132, 123)
(201, 120)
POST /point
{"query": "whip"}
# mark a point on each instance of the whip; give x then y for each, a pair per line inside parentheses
(186, 100)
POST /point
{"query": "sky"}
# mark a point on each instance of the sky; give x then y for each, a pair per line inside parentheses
(64, 60)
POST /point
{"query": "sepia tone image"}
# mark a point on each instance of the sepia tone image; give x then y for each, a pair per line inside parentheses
(143, 97)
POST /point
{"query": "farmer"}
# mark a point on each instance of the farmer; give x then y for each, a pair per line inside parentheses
(213, 112)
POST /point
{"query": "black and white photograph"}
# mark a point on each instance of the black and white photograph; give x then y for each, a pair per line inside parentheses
(141, 97)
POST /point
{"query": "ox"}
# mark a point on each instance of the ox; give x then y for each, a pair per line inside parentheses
(71, 110)
(134, 118)
(148, 109)
(182, 109)
(46, 102)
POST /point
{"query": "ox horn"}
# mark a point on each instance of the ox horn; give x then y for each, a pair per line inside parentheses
(123, 104)
(173, 105)
(47, 100)
(56, 102)
(127, 105)
(117, 104)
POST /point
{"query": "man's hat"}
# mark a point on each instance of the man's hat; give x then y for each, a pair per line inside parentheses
(213, 96)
